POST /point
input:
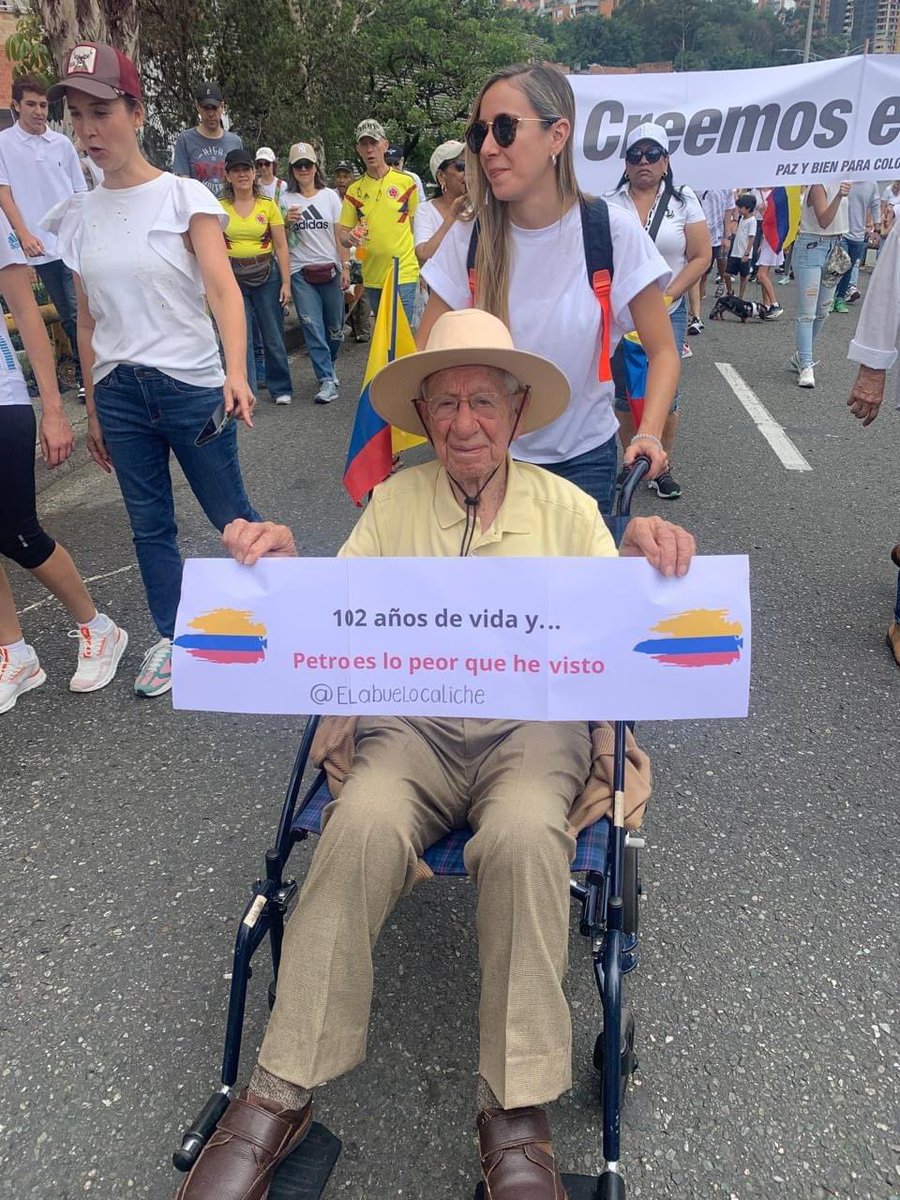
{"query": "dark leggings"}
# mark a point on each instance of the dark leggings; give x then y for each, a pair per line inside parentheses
(21, 537)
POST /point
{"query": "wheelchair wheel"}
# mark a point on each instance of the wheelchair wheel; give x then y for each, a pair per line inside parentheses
(271, 995)
(631, 891)
(627, 1057)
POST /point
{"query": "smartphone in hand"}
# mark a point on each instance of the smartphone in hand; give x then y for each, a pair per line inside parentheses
(214, 426)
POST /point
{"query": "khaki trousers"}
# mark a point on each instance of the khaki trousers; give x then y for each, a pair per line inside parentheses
(413, 781)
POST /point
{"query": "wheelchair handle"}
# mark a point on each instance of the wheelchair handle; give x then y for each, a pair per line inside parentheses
(627, 484)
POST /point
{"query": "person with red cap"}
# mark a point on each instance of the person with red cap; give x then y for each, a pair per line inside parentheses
(147, 253)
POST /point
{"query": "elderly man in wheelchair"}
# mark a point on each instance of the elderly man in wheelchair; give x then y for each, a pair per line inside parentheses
(414, 780)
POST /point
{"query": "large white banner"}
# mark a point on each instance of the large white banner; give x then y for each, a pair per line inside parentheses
(526, 638)
(807, 123)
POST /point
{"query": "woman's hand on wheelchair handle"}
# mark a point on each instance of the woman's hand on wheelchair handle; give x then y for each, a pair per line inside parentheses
(249, 541)
(667, 547)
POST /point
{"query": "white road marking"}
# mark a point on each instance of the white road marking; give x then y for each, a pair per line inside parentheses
(90, 579)
(790, 456)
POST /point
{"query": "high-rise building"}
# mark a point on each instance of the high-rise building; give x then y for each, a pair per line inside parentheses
(870, 24)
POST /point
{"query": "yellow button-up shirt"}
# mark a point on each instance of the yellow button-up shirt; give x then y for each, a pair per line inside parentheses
(414, 513)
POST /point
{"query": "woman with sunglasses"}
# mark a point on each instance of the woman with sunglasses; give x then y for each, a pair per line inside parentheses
(530, 271)
(682, 238)
(147, 253)
(320, 265)
(435, 218)
(257, 247)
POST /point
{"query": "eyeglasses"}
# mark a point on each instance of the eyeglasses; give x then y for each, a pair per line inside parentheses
(263, 162)
(504, 128)
(486, 406)
(303, 165)
(652, 154)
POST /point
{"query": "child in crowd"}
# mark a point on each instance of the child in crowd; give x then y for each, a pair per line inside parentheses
(742, 245)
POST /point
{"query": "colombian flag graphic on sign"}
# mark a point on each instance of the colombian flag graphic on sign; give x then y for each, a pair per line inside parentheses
(225, 635)
(700, 637)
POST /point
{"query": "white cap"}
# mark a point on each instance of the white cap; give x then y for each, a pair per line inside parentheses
(300, 151)
(265, 154)
(444, 153)
(648, 132)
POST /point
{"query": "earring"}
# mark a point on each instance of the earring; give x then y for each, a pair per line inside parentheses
(553, 159)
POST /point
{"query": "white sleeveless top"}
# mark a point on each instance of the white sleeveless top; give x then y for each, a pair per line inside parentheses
(809, 222)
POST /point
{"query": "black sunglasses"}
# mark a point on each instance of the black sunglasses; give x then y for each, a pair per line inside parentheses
(457, 165)
(503, 127)
(652, 154)
(303, 164)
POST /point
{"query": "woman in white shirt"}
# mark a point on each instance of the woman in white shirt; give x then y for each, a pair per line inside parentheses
(435, 218)
(824, 222)
(530, 271)
(682, 238)
(320, 267)
(147, 252)
(22, 539)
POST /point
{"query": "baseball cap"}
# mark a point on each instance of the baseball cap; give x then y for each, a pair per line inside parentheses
(648, 132)
(301, 150)
(239, 158)
(99, 70)
(343, 165)
(393, 154)
(265, 154)
(444, 153)
(370, 129)
(209, 93)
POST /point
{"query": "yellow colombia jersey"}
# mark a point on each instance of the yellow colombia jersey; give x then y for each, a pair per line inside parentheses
(387, 206)
(246, 237)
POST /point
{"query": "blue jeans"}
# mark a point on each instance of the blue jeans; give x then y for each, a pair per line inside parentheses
(262, 303)
(144, 416)
(678, 316)
(813, 297)
(320, 307)
(407, 299)
(856, 250)
(594, 472)
(57, 279)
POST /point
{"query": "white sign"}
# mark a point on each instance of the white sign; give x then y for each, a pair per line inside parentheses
(524, 638)
(806, 123)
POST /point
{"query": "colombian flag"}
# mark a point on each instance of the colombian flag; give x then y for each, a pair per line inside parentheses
(373, 442)
(225, 635)
(782, 218)
(700, 637)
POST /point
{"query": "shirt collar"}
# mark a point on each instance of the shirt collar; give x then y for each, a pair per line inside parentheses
(514, 515)
(25, 136)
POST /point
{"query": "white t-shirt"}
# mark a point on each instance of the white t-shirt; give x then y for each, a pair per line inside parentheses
(143, 285)
(809, 222)
(311, 238)
(13, 389)
(670, 240)
(41, 169)
(744, 237)
(269, 189)
(554, 312)
(426, 222)
(889, 196)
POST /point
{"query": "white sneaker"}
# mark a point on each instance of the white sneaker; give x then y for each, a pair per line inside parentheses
(18, 675)
(807, 378)
(155, 676)
(327, 392)
(98, 657)
(283, 399)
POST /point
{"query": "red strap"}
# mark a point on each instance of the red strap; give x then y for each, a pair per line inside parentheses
(472, 286)
(602, 284)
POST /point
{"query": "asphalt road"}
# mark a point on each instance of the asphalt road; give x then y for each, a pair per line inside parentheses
(765, 996)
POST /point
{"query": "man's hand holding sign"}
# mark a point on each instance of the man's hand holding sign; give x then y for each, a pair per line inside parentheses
(413, 777)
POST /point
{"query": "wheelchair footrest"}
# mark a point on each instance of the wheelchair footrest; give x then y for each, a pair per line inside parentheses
(303, 1176)
(578, 1187)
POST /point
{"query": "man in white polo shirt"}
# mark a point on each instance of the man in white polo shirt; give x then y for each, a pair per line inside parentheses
(38, 168)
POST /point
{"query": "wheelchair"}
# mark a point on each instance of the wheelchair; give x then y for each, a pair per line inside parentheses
(608, 898)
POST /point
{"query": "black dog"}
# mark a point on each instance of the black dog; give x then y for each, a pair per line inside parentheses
(744, 309)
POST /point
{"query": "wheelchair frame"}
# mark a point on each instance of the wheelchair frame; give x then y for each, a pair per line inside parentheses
(609, 918)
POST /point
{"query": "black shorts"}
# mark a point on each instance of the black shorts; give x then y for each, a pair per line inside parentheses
(737, 266)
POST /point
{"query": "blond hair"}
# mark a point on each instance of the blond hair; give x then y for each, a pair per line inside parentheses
(550, 95)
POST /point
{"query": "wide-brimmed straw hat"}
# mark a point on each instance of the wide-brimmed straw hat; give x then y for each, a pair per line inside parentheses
(468, 338)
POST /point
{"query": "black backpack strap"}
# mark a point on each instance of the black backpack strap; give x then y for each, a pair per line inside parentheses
(470, 260)
(598, 257)
(661, 209)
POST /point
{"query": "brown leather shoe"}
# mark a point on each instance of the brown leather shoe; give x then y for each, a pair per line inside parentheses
(517, 1155)
(250, 1142)
(895, 556)
(893, 640)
